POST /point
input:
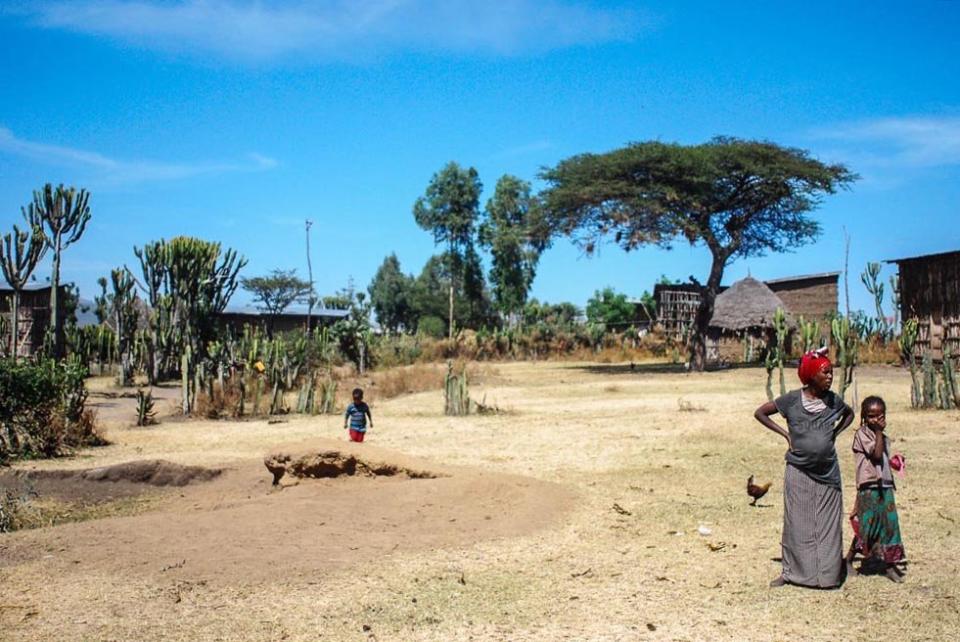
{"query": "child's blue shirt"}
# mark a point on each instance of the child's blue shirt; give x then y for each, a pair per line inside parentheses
(357, 413)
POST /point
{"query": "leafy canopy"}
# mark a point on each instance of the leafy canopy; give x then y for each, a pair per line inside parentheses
(610, 308)
(741, 198)
(391, 294)
(276, 291)
(512, 231)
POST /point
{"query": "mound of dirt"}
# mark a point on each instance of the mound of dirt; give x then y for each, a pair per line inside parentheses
(106, 483)
(239, 530)
(155, 472)
(325, 463)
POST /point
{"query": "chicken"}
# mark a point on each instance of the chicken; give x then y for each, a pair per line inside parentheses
(756, 491)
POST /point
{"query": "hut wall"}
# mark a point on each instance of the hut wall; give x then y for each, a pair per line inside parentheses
(736, 347)
(33, 317)
(814, 298)
(930, 292)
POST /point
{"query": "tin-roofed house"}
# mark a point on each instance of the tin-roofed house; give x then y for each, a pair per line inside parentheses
(292, 319)
(930, 293)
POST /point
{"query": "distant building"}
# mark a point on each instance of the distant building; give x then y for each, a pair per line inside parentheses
(290, 320)
(743, 321)
(812, 296)
(33, 316)
(930, 292)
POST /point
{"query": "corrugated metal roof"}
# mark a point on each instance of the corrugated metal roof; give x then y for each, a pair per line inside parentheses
(803, 277)
(922, 256)
(295, 312)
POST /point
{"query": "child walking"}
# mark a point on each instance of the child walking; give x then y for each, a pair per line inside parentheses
(357, 414)
(877, 523)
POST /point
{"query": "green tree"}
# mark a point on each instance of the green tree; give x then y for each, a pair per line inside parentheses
(739, 198)
(275, 292)
(511, 230)
(391, 292)
(20, 252)
(429, 297)
(610, 309)
(449, 209)
(64, 214)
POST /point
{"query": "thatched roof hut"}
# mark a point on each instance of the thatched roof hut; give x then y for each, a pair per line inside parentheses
(746, 304)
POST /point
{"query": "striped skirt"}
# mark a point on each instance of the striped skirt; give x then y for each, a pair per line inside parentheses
(812, 541)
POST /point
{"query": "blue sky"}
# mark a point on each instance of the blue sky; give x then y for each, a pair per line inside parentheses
(234, 120)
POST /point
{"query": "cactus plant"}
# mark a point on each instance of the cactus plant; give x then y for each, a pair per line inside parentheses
(20, 252)
(907, 341)
(776, 347)
(456, 393)
(146, 416)
(65, 213)
(846, 343)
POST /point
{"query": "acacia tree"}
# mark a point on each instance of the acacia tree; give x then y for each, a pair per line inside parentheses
(391, 295)
(64, 213)
(511, 230)
(276, 292)
(739, 198)
(19, 254)
(449, 208)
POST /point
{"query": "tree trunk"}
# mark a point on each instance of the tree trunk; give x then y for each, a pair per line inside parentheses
(451, 310)
(15, 327)
(54, 300)
(708, 296)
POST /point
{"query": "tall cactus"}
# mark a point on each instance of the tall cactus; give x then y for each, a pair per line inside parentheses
(908, 341)
(809, 334)
(776, 348)
(20, 252)
(875, 287)
(847, 346)
(64, 213)
(125, 307)
(456, 392)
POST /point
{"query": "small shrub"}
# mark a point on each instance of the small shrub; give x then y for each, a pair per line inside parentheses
(42, 409)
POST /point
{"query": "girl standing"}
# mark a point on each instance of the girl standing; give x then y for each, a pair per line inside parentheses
(879, 535)
(812, 539)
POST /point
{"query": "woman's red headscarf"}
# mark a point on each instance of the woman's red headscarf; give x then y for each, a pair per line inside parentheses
(811, 363)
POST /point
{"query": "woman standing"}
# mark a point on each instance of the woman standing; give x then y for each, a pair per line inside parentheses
(812, 540)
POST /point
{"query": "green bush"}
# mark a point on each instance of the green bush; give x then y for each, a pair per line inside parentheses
(432, 326)
(42, 409)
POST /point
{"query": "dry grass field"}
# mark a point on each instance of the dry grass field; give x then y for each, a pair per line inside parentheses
(572, 514)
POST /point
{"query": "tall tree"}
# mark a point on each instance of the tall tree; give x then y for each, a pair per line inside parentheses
(276, 291)
(19, 254)
(512, 230)
(449, 209)
(64, 213)
(611, 309)
(390, 295)
(739, 198)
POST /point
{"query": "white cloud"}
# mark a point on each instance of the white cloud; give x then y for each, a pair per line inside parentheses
(913, 141)
(340, 29)
(126, 171)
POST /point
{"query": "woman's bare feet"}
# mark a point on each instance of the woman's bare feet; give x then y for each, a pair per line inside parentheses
(893, 574)
(851, 571)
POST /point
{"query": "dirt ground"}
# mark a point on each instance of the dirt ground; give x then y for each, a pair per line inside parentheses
(574, 514)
